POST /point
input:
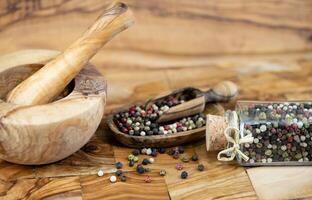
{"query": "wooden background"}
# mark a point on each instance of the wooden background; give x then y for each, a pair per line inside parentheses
(263, 46)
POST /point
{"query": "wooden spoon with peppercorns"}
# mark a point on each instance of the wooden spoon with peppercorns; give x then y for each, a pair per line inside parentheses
(168, 140)
(190, 101)
(178, 104)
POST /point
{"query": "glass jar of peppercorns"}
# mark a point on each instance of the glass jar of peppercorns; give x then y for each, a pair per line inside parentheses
(263, 133)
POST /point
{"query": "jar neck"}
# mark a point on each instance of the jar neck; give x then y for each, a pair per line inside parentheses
(232, 119)
(216, 125)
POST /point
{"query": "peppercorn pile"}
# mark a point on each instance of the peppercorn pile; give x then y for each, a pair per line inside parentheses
(142, 166)
(282, 132)
(141, 121)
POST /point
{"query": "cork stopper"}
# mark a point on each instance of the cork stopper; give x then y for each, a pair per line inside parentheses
(215, 139)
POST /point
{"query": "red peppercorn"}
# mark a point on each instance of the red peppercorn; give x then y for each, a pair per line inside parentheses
(306, 114)
(124, 130)
(294, 126)
(290, 139)
(179, 166)
(148, 179)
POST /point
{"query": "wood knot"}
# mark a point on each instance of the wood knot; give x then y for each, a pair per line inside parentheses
(88, 148)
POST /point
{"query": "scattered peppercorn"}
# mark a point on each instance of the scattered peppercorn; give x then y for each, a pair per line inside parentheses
(140, 169)
(201, 167)
(148, 151)
(151, 160)
(100, 172)
(123, 178)
(194, 157)
(131, 157)
(184, 175)
(146, 169)
(131, 163)
(113, 179)
(181, 149)
(185, 158)
(162, 172)
(162, 150)
(136, 159)
(179, 166)
(176, 155)
(154, 152)
(136, 152)
(118, 172)
(148, 179)
(118, 165)
(145, 161)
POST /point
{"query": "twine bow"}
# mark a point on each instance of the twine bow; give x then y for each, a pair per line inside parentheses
(234, 142)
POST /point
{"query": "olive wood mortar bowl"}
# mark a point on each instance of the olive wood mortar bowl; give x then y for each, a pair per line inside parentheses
(42, 134)
(168, 140)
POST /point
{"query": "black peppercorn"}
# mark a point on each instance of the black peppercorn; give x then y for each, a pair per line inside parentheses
(181, 149)
(140, 169)
(136, 152)
(145, 161)
(200, 167)
(194, 157)
(184, 175)
(131, 163)
(162, 150)
(123, 178)
(118, 172)
(118, 165)
(176, 155)
(154, 152)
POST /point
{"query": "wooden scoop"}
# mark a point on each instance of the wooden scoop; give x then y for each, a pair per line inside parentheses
(169, 140)
(222, 92)
(47, 83)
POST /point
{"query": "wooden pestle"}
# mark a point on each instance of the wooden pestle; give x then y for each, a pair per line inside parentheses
(47, 83)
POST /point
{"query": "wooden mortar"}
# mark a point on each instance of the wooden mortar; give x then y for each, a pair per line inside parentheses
(34, 127)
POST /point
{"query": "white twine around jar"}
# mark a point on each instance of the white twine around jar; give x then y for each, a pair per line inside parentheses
(232, 135)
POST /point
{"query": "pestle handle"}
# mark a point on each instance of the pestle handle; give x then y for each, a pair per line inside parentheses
(48, 82)
(223, 91)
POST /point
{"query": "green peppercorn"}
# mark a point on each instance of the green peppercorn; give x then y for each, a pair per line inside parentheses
(131, 157)
(136, 159)
(185, 158)
(162, 172)
(146, 169)
(268, 152)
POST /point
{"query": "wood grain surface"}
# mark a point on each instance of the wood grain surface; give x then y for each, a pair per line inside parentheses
(263, 46)
(164, 27)
(277, 182)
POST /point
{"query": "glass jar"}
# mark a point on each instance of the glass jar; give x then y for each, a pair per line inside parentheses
(263, 133)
